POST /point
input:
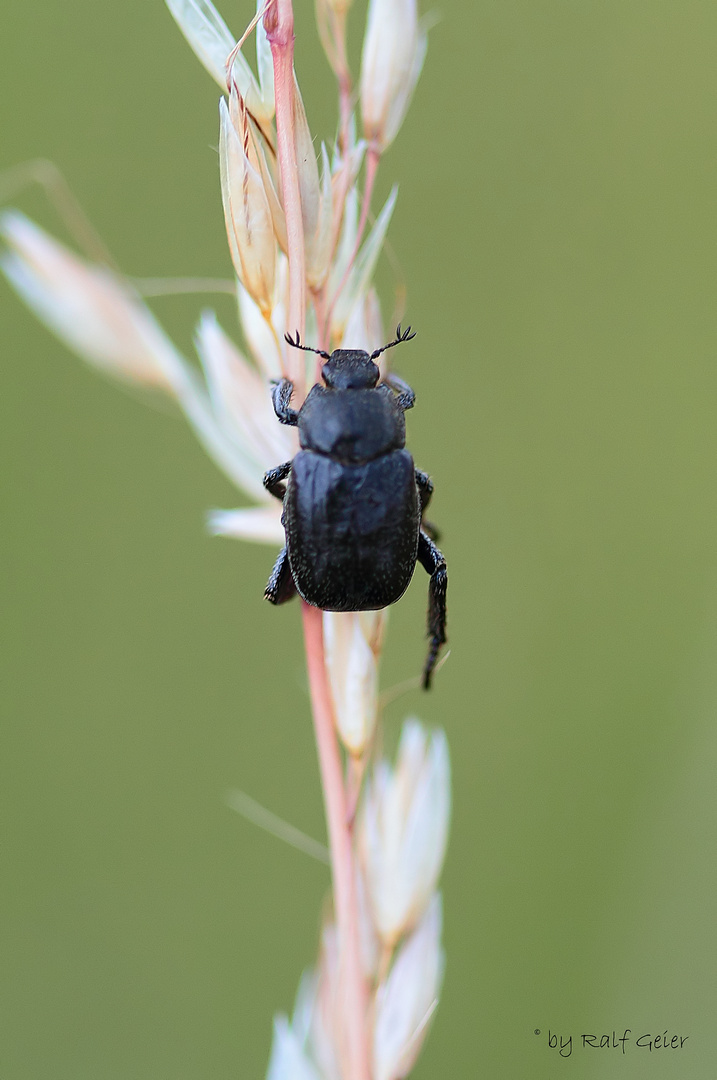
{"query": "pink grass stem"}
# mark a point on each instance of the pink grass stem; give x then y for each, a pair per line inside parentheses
(354, 989)
(343, 76)
(373, 157)
(279, 24)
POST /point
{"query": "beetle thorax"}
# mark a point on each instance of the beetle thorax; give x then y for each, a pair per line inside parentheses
(351, 426)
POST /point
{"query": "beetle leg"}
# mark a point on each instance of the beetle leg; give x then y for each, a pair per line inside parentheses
(406, 396)
(425, 490)
(434, 564)
(281, 396)
(272, 480)
(431, 530)
(280, 587)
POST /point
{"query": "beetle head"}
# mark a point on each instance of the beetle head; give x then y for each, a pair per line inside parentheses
(350, 369)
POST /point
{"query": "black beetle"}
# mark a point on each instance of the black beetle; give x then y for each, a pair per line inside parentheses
(354, 503)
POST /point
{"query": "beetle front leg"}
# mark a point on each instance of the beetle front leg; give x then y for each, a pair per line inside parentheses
(281, 396)
(425, 491)
(406, 395)
(434, 564)
(273, 478)
(280, 587)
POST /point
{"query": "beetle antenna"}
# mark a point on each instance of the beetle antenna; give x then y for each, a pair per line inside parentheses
(401, 335)
(307, 348)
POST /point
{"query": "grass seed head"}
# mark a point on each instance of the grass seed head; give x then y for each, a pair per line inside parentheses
(394, 49)
(404, 829)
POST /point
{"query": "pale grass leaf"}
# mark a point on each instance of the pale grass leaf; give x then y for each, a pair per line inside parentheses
(261, 525)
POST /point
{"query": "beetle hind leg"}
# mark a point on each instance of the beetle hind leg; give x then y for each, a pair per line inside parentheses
(280, 587)
(434, 564)
(425, 491)
(431, 530)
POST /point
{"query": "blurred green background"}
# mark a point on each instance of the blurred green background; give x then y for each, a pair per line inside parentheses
(557, 231)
